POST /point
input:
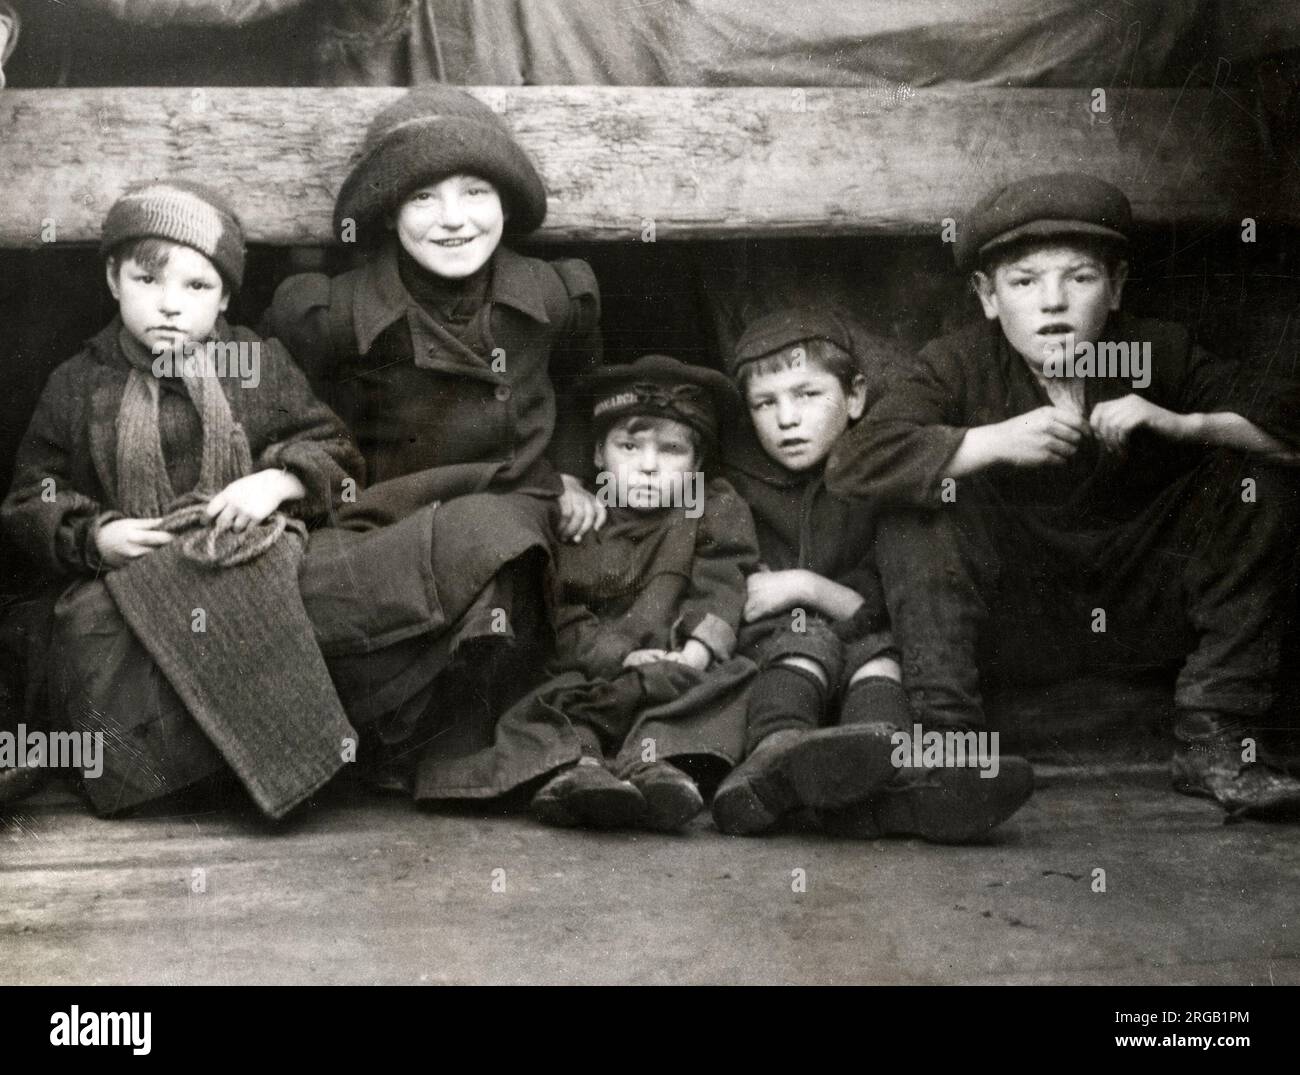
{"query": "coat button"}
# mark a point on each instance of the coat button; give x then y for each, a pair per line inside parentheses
(503, 392)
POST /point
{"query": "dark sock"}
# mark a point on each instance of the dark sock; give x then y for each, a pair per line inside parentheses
(876, 699)
(783, 697)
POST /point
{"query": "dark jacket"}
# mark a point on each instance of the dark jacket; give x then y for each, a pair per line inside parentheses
(653, 580)
(417, 398)
(802, 524)
(122, 659)
(439, 423)
(898, 451)
(65, 468)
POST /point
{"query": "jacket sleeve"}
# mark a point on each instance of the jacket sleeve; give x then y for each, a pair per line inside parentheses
(1210, 384)
(913, 426)
(306, 438)
(578, 352)
(726, 553)
(44, 515)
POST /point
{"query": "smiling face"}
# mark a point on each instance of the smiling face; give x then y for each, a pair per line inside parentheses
(1048, 292)
(652, 458)
(799, 410)
(453, 226)
(170, 295)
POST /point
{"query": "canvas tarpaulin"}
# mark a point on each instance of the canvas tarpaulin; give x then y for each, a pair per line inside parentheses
(873, 43)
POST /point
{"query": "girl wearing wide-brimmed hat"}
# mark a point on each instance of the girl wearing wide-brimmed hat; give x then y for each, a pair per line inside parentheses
(437, 352)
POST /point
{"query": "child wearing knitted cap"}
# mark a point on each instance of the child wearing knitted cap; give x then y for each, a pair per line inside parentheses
(646, 613)
(1066, 486)
(828, 706)
(162, 488)
(442, 352)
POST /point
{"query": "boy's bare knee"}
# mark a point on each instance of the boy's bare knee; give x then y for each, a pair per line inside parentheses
(804, 664)
(879, 666)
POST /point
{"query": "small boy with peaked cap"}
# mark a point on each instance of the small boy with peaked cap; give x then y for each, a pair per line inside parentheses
(646, 610)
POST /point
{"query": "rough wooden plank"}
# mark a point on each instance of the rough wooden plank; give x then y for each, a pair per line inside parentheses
(699, 163)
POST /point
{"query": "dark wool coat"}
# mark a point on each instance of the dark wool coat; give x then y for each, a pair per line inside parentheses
(458, 442)
(71, 441)
(898, 451)
(103, 675)
(645, 580)
(801, 524)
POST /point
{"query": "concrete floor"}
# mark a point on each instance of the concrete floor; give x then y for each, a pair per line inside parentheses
(362, 888)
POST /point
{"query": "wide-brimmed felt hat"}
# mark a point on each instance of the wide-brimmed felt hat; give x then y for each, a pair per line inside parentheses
(426, 135)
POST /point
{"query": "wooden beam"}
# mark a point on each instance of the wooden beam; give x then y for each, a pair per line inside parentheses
(698, 163)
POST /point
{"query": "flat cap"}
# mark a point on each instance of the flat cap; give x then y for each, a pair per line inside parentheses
(1043, 206)
(786, 327)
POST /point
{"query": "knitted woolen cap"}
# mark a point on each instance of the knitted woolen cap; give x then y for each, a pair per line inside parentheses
(184, 212)
(428, 134)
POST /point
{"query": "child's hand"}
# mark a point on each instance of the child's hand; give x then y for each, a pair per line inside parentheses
(1115, 420)
(248, 500)
(694, 654)
(124, 540)
(644, 656)
(580, 511)
(1046, 435)
(770, 592)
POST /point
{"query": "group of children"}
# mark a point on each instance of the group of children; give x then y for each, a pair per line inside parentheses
(445, 541)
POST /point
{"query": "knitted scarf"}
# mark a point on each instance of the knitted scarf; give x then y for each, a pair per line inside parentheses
(221, 615)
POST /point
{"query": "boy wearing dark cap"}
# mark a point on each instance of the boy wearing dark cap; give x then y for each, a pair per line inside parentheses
(815, 618)
(162, 489)
(646, 613)
(1071, 467)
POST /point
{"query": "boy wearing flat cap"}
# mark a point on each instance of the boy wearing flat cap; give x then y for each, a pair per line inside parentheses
(1069, 486)
(815, 618)
(646, 610)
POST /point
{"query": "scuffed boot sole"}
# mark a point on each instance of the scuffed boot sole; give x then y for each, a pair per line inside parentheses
(949, 806)
(670, 807)
(824, 769)
(597, 803)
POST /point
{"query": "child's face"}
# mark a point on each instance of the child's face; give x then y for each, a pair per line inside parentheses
(800, 411)
(177, 301)
(652, 458)
(453, 226)
(1048, 293)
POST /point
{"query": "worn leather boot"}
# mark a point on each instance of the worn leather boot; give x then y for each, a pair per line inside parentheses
(589, 794)
(17, 784)
(827, 768)
(942, 805)
(671, 797)
(1208, 763)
